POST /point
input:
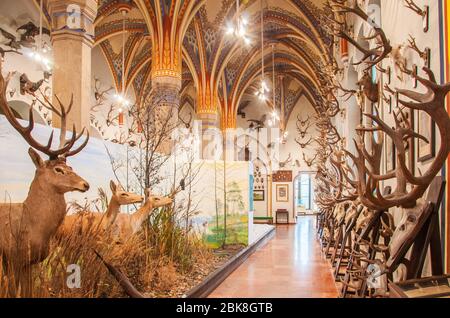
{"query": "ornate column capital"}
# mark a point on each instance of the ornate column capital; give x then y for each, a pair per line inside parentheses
(73, 20)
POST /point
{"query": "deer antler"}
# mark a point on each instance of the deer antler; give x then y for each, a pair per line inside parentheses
(99, 94)
(348, 93)
(304, 145)
(433, 103)
(413, 45)
(414, 7)
(309, 162)
(285, 162)
(381, 51)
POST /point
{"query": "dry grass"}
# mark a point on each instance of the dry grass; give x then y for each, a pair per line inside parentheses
(154, 260)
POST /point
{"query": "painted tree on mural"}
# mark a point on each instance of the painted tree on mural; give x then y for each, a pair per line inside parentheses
(235, 201)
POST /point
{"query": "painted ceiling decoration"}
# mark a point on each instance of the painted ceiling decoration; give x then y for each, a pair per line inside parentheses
(185, 40)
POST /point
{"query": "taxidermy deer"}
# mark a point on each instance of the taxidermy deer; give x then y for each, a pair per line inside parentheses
(120, 225)
(102, 220)
(26, 228)
(127, 225)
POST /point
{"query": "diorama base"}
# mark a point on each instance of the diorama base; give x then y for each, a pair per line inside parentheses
(262, 233)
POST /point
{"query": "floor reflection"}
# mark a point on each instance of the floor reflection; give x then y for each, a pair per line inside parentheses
(290, 265)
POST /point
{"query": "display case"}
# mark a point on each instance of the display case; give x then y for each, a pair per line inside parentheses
(430, 287)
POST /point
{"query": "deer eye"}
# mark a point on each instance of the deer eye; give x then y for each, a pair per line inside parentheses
(156, 199)
(124, 194)
(59, 171)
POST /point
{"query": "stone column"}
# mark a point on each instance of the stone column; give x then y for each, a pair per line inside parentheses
(166, 103)
(72, 39)
(211, 138)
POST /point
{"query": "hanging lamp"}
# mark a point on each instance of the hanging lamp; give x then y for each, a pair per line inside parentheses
(124, 8)
(240, 29)
(38, 54)
(261, 92)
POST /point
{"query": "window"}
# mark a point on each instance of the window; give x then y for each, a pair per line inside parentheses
(305, 193)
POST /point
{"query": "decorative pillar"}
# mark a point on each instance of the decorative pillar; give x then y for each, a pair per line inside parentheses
(207, 113)
(229, 149)
(165, 104)
(344, 50)
(166, 73)
(72, 39)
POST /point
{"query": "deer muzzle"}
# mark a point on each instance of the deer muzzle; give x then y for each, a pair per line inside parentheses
(83, 186)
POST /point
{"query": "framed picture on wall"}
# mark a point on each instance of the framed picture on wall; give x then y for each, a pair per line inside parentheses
(258, 195)
(390, 154)
(282, 192)
(426, 128)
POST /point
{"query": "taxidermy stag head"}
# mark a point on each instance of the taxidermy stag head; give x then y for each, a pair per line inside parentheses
(370, 89)
(285, 162)
(309, 161)
(303, 145)
(303, 126)
(37, 219)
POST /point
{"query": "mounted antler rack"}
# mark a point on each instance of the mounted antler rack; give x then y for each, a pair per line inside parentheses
(370, 56)
(309, 161)
(423, 12)
(285, 162)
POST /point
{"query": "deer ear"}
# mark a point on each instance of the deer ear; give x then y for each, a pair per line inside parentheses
(37, 160)
(113, 186)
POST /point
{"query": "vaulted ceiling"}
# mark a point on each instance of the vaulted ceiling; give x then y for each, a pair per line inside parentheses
(214, 61)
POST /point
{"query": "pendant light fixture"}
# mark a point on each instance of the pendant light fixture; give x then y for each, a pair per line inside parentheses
(121, 98)
(239, 30)
(264, 89)
(38, 54)
(274, 116)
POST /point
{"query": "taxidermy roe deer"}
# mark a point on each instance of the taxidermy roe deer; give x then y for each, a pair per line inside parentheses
(129, 225)
(120, 225)
(101, 220)
(26, 228)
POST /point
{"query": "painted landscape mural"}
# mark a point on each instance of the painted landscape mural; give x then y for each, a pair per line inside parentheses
(220, 191)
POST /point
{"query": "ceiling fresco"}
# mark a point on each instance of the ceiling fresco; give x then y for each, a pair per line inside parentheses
(222, 69)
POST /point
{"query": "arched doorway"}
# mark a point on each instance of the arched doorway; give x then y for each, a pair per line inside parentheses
(304, 203)
(21, 110)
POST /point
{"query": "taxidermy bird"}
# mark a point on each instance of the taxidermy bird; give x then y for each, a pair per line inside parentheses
(3, 52)
(29, 31)
(13, 43)
(257, 124)
(241, 108)
(12, 92)
(47, 75)
(27, 86)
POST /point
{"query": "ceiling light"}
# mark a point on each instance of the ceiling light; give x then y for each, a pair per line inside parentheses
(122, 100)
